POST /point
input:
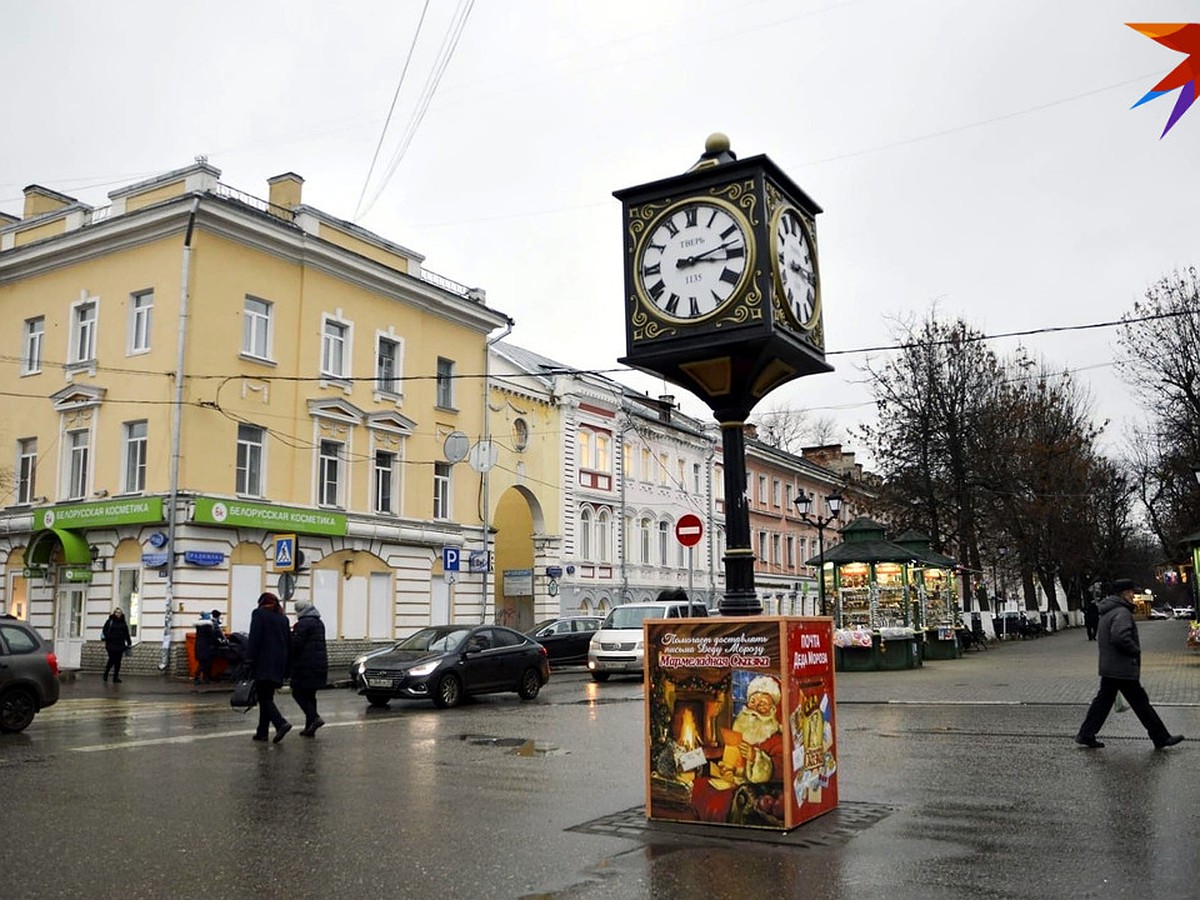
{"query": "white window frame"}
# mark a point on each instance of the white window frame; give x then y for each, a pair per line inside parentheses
(337, 340)
(85, 321)
(442, 487)
(664, 529)
(33, 343)
(444, 387)
(391, 387)
(331, 470)
(380, 474)
(257, 328)
(77, 449)
(696, 480)
(134, 452)
(604, 536)
(585, 533)
(644, 539)
(26, 470)
(141, 317)
(244, 465)
(603, 460)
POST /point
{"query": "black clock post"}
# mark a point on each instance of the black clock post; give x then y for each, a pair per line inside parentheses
(722, 297)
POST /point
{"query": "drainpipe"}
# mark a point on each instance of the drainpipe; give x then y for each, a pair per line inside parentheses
(485, 513)
(176, 430)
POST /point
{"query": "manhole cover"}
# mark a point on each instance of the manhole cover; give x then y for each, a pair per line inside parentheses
(833, 828)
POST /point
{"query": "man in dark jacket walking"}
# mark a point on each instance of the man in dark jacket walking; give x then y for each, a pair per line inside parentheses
(269, 655)
(310, 664)
(1120, 671)
(1091, 618)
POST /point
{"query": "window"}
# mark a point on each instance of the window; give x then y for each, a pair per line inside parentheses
(775, 553)
(647, 468)
(603, 458)
(762, 489)
(387, 366)
(141, 307)
(26, 470)
(385, 481)
(129, 597)
(604, 536)
(663, 531)
(775, 495)
(83, 332)
(790, 506)
(334, 348)
(78, 449)
(681, 554)
(790, 562)
(679, 470)
(441, 490)
(762, 547)
(583, 444)
(250, 455)
(134, 480)
(662, 469)
(445, 383)
(256, 328)
(627, 460)
(31, 356)
(696, 481)
(644, 535)
(329, 474)
(585, 533)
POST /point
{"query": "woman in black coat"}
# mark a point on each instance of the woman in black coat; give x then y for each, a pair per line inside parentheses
(310, 664)
(115, 635)
(269, 656)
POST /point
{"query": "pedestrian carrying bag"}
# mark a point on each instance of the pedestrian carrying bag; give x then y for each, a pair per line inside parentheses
(1120, 704)
(245, 695)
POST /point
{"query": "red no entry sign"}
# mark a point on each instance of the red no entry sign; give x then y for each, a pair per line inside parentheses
(688, 530)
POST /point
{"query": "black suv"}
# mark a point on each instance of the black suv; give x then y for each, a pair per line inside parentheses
(28, 674)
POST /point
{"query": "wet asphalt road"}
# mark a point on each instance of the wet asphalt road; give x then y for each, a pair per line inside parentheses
(959, 779)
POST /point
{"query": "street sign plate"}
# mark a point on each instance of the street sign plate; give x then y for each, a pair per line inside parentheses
(689, 529)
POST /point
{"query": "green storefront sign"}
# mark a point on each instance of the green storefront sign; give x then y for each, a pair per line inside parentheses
(135, 511)
(209, 511)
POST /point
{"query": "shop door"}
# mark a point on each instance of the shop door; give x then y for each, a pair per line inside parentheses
(68, 627)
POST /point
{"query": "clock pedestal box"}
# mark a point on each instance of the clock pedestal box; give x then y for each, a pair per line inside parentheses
(722, 297)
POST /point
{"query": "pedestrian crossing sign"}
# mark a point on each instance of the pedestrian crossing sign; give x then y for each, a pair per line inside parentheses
(285, 553)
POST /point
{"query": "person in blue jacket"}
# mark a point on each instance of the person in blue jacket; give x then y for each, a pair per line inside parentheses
(1121, 671)
(269, 656)
(310, 664)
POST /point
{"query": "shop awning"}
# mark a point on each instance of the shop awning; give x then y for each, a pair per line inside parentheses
(74, 546)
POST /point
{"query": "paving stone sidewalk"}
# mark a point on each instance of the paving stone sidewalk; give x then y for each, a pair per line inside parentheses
(1055, 668)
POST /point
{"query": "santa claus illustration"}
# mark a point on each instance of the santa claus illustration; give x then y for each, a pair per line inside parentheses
(753, 755)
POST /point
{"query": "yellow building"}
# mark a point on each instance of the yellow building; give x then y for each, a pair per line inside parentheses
(325, 377)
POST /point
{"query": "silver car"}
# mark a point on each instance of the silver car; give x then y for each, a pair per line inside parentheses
(618, 648)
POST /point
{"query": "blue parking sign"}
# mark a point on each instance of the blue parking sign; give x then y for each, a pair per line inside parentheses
(450, 558)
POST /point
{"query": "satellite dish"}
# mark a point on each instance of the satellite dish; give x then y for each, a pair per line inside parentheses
(456, 447)
(484, 455)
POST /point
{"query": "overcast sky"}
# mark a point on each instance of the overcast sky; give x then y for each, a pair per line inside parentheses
(980, 155)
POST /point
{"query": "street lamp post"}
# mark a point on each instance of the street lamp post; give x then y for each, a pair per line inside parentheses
(804, 509)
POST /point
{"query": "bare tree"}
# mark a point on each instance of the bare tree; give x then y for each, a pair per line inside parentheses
(793, 429)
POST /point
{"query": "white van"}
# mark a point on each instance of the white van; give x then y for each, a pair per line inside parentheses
(618, 646)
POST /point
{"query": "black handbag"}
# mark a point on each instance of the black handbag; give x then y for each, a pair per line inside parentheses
(245, 695)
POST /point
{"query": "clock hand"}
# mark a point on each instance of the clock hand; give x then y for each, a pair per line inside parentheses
(686, 261)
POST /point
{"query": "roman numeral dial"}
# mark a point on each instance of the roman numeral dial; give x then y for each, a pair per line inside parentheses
(794, 268)
(693, 260)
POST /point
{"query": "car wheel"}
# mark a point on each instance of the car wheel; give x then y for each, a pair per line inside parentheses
(447, 692)
(531, 683)
(600, 676)
(17, 708)
(378, 700)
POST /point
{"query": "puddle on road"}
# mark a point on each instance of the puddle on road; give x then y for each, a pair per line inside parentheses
(520, 746)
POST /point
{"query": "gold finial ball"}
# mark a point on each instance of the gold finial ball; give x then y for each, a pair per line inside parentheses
(717, 143)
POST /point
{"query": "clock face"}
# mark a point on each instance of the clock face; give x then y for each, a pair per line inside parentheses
(692, 260)
(794, 262)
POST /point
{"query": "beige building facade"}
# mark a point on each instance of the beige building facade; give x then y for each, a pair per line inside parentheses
(192, 377)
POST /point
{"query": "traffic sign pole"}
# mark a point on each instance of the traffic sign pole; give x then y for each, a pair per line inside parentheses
(688, 531)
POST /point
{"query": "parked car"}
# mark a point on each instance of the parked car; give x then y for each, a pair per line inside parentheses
(1185, 612)
(1159, 612)
(28, 674)
(445, 663)
(566, 639)
(618, 648)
